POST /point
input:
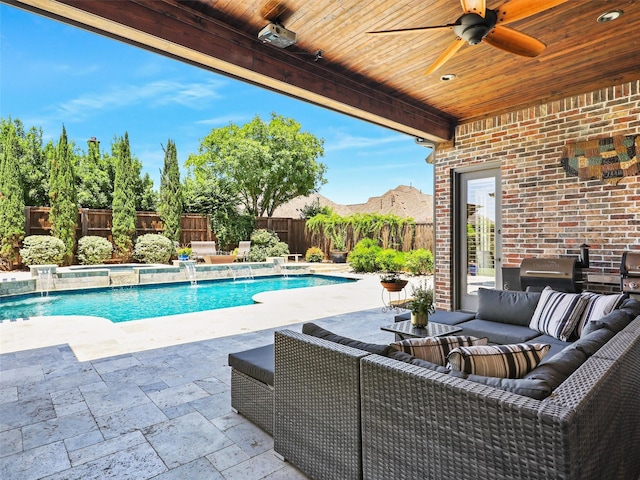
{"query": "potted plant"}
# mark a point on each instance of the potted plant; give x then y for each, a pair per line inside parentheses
(334, 228)
(184, 253)
(421, 304)
(338, 251)
(392, 282)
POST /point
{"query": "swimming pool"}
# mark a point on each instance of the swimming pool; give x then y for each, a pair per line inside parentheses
(138, 302)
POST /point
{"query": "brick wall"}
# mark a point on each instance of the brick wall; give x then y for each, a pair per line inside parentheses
(544, 211)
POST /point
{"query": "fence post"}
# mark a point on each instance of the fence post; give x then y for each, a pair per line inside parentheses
(84, 221)
(27, 221)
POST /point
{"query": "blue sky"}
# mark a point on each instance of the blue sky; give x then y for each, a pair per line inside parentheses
(53, 74)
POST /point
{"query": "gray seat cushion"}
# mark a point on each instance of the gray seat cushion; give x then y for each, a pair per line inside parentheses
(556, 369)
(257, 363)
(500, 333)
(507, 306)
(556, 345)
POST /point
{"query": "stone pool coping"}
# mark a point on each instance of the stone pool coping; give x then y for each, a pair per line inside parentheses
(93, 337)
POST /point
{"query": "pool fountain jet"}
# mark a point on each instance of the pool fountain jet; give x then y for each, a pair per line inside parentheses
(44, 275)
(190, 270)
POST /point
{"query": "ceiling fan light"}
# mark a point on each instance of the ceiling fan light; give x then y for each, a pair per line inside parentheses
(448, 77)
(609, 16)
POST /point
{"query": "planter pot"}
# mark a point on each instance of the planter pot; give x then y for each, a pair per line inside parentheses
(215, 259)
(338, 257)
(419, 320)
(183, 257)
(394, 286)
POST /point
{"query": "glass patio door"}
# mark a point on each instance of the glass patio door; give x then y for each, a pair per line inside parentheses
(478, 239)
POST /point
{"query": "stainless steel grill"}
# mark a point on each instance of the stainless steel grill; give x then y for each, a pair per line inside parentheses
(630, 272)
(562, 274)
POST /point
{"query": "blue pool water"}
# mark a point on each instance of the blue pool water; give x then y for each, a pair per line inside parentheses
(134, 303)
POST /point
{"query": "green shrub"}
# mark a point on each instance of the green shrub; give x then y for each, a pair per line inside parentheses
(42, 250)
(93, 250)
(390, 260)
(419, 262)
(153, 248)
(265, 243)
(264, 237)
(314, 255)
(363, 256)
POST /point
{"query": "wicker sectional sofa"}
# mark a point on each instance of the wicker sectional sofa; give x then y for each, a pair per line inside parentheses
(343, 412)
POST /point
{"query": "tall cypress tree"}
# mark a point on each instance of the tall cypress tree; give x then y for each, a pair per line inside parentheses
(171, 199)
(11, 199)
(124, 202)
(62, 193)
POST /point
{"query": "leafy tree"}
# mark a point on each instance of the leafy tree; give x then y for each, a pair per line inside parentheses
(62, 192)
(146, 197)
(314, 208)
(171, 202)
(218, 199)
(95, 187)
(31, 161)
(11, 198)
(269, 164)
(124, 209)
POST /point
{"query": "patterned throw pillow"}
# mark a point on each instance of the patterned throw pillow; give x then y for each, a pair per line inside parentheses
(503, 361)
(598, 306)
(435, 349)
(558, 313)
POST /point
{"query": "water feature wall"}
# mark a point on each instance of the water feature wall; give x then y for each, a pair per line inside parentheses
(68, 278)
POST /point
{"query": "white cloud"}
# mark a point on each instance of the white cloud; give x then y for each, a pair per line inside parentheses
(195, 95)
(343, 141)
(224, 120)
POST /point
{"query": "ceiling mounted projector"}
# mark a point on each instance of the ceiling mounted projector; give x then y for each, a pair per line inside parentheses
(277, 35)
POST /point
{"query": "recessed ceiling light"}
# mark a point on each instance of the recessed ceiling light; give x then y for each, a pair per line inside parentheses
(447, 77)
(609, 16)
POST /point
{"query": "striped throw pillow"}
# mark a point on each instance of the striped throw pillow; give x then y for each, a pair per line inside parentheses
(598, 306)
(558, 313)
(435, 349)
(502, 361)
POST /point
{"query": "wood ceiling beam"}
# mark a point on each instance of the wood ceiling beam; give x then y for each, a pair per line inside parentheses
(175, 30)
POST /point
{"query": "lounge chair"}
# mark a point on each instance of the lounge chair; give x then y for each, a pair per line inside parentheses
(200, 249)
(243, 249)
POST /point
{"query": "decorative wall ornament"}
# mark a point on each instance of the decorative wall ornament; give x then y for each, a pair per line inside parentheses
(607, 159)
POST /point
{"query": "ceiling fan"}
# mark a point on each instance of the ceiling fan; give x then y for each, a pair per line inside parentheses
(479, 23)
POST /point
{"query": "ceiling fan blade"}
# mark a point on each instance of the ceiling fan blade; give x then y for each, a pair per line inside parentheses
(512, 41)
(513, 10)
(474, 6)
(401, 31)
(446, 55)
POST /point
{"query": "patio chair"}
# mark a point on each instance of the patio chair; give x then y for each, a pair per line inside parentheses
(243, 249)
(201, 249)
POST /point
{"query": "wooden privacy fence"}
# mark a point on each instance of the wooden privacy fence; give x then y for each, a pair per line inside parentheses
(292, 231)
(98, 223)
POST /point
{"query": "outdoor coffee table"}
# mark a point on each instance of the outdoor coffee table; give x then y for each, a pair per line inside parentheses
(405, 330)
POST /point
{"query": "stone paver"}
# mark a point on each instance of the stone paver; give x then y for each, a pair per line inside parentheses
(142, 405)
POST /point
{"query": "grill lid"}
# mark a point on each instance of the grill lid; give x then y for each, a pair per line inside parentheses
(557, 273)
(547, 267)
(630, 264)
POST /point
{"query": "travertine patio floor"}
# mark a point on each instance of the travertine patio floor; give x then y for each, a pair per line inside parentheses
(82, 398)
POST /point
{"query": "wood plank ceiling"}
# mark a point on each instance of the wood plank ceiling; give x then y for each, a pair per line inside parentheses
(378, 78)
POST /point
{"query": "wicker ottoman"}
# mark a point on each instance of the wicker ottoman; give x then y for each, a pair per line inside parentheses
(252, 385)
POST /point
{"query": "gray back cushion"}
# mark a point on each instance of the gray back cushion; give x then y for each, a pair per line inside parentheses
(319, 332)
(507, 306)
